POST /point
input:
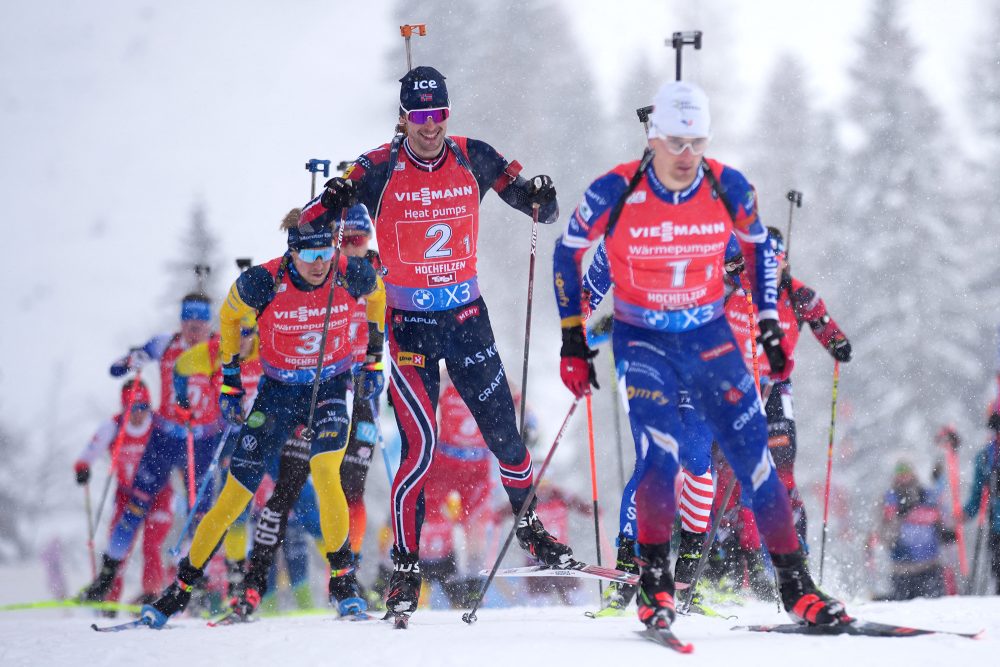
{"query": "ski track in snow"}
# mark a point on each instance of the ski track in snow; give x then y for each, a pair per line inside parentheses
(540, 635)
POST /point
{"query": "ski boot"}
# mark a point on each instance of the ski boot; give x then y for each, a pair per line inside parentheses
(656, 586)
(99, 589)
(245, 604)
(345, 594)
(803, 601)
(404, 584)
(617, 596)
(688, 558)
(537, 541)
(175, 598)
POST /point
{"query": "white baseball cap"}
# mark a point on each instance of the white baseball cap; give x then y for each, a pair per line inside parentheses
(680, 109)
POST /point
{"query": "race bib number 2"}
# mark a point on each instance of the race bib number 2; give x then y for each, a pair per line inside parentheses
(446, 239)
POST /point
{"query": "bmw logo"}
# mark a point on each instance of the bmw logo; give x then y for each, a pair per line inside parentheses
(423, 299)
(656, 319)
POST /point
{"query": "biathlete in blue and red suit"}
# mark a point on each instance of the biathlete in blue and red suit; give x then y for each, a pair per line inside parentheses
(198, 413)
(289, 298)
(666, 249)
(798, 305)
(424, 189)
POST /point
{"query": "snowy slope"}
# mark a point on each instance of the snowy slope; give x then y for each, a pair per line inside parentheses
(537, 636)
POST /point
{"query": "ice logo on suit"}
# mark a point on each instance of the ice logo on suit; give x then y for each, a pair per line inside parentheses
(423, 299)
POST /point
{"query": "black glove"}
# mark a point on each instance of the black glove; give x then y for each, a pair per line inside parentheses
(734, 265)
(540, 190)
(340, 193)
(840, 348)
(574, 354)
(770, 338)
(82, 470)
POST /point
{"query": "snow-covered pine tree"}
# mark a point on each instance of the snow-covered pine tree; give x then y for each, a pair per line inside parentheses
(903, 286)
(198, 248)
(981, 266)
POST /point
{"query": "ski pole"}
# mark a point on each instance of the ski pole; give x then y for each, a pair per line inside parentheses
(90, 528)
(314, 167)
(680, 40)
(470, 616)
(527, 317)
(950, 441)
(202, 488)
(115, 448)
(381, 442)
(407, 31)
(794, 201)
(307, 432)
(593, 487)
(829, 472)
(190, 466)
(643, 114)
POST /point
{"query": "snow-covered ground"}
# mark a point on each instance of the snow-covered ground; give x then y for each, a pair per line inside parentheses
(505, 637)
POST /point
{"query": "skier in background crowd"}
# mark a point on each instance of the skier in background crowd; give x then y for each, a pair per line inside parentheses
(179, 417)
(134, 429)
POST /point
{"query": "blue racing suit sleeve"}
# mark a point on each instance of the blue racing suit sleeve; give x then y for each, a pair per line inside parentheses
(597, 282)
(588, 221)
(151, 349)
(748, 227)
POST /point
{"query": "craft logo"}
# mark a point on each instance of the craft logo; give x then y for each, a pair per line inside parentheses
(636, 197)
(411, 359)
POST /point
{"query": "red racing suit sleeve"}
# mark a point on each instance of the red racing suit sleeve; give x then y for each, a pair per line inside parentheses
(810, 309)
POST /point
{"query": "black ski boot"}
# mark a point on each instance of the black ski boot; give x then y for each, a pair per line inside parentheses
(404, 585)
(618, 595)
(688, 558)
(537, 541)
(175, 598)
(656, 586)
(99, 589)
(236, 573)
(803, 601)
(345, 594)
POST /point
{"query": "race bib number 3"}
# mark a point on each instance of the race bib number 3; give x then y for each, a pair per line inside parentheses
(442, 240)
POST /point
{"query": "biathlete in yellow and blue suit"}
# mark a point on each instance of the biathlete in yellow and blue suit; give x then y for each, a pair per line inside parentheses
(288, 296)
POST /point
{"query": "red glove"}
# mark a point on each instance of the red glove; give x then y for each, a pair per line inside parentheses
(82, 470)
(576, 373)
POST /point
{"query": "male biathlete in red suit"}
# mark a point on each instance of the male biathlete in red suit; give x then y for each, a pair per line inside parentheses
(424, 189)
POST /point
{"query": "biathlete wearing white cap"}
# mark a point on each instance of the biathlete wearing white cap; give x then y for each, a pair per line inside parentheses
(666, 253)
